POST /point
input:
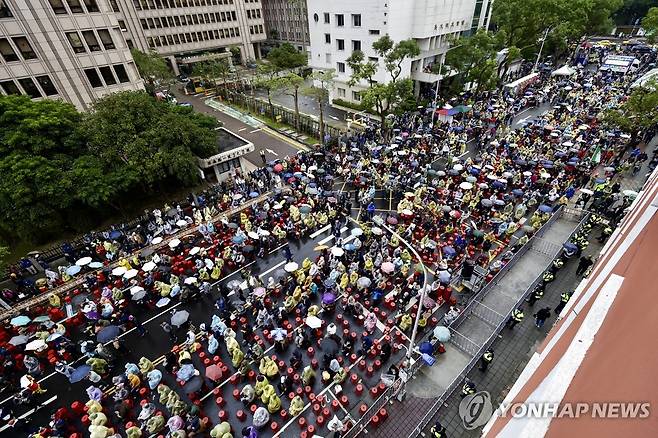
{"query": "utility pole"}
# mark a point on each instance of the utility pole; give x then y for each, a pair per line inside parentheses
(438, 81)
(541, 49)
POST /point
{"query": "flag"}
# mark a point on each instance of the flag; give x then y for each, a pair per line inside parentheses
(596, 156)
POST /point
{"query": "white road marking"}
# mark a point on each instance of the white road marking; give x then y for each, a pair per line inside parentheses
(272, 152)
(255, 130)
(271, 269)
(320, 231)
(242, 129)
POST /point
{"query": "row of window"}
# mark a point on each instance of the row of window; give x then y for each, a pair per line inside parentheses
(256, 30)
(45, 87)
(355, 94)
(91, 40)
(74, 6)
(5, 12)
(185, 20)
(165, 4)
(22, 45)
(253, 14)
(340, 43)
(182, 38)
(284, 35)
(339, 19)
(111, 75)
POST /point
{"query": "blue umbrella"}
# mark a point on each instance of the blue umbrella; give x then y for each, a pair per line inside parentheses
(72, 270)
(349, 247)
(238, 238)
(328, 298)
(600, 180)
(517, 192)
(79, 373)
(329, 282)
(115, 234)
(521, 162)
(108, 333)
(545, 208)
(426, 347)
(449, 251)
(442, 333)
(570, 247)
(95, 265)
(20, 321)
(253, 194)
(287, 175)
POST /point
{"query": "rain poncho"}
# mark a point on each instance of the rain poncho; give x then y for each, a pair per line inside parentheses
(154, 377)
(186, 372)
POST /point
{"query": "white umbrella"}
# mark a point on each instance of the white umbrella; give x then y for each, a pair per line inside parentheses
(190, 280)
(156, 240)
(253, 235)
(356, 232)
(466, 185)
(174, 243)
(195, 250)
(458, 167)
(162, 302)
(587, 191)
(148, 266)
(130, 274)
(35, 345)
(313, 322)
(135, 289)
(179, 318)
(291, 267)
(264, 233)
(407, 212)
(337, 251)
(83, 261)
(376, 231)
(237, 196)
(181, 223)
(119, 271)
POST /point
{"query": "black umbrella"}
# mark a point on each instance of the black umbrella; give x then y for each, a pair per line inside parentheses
(173, 212)
(193, 385)
(329, 346)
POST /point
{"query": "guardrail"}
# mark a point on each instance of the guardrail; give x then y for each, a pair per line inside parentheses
(425, 421)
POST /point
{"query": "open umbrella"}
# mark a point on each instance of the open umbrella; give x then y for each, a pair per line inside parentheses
(72, 270)
(349, 247)
(190, 280)
(214, 373)
(387, 267)
(364, 282)
(337, 252)
(328, 298)
(193, 385)
(291, 267)
(329, 346)
(545, 208)
(356, 232)
(238, 239)
(376, 231)
(233, 226)
(179, 318)
(119, 271)
(53, 336)
(392, 220)
(20, 321)
(630, 194)
(84, 261)
(148, 266)
(18, 340)
(195, 250)
(108, 333)
(441, 333)
(132, 273)
(95, 265)
(173, 243)
(320, 248)
(35, 345)
(279, 334)
(162, 302)
(313, 322)
(79, 373)
(253, 235)
(156, 240)
(587, 191)
(466, 185)
(181, 223)
(259, 292)
(449, 251)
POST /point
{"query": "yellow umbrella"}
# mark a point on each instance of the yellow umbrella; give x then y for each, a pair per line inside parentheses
(320, 248)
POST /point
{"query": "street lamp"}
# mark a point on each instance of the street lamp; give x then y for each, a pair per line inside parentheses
(438, 80)
(541, 49)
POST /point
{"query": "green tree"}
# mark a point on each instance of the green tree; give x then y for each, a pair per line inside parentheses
(383, 97)
(650, 24)
(267, 79)
(290, 85)
(144, 141)
(4, 254)
(323, 82)
(638, 112)
(153, 69)
(213, 69)
(286, 57)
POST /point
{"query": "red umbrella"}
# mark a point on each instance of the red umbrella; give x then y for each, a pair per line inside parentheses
(214, 373)
(278, 168)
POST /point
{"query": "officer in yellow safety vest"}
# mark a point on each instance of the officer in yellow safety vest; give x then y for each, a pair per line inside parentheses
(438, 431)
(486, 359)
(468, 388)
(564, 299)
(515, 318)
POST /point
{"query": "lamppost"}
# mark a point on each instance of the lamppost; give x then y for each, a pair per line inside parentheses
(438, 80)
(541, 49)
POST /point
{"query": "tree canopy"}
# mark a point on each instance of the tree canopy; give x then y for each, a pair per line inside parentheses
(286, 57)
(650, 24)
(62, 169)
(153, 69)
(639, 111)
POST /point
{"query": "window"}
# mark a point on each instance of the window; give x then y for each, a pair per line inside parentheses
(5, 12)
(143, 23)
(106, 39)
(341, 67)
(9, 87)
(130, 44)
(356, 45)
(7, 51)
(233, 16)
(30, 88)
(356, 20)
(91, 40)
(47, 85)
(75, 6)
(93, 7)
(327, 38)
(76, 42)
(177, 20)
(356, 96)
(24, 47)
(93, 78)
(373, 59)
(340, 20)
(326, 18)
(373, 31)
(340, 44)
(122, 25)
(115, 6)
(327, 57)
(137, 4)
(106, 72)
(341, 92)
(58, 6)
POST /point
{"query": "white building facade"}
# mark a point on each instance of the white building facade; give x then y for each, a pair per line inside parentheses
(339, 27)
(63, 49)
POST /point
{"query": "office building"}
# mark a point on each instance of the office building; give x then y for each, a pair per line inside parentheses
(190, 31)
(286, 21)
(63, 49)
(339, 27)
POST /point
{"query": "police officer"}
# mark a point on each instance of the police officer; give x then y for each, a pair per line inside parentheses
(564, 299)
(468, 388)
(515, 318)
(438, 431)
(486, 359)
(607, 231)
(536, 294)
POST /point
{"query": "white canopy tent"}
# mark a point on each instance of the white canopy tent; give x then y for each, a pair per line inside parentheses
(565, 70)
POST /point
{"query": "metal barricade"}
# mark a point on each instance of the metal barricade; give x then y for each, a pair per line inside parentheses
(487, 314)
(544, 247)
(463, 343)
